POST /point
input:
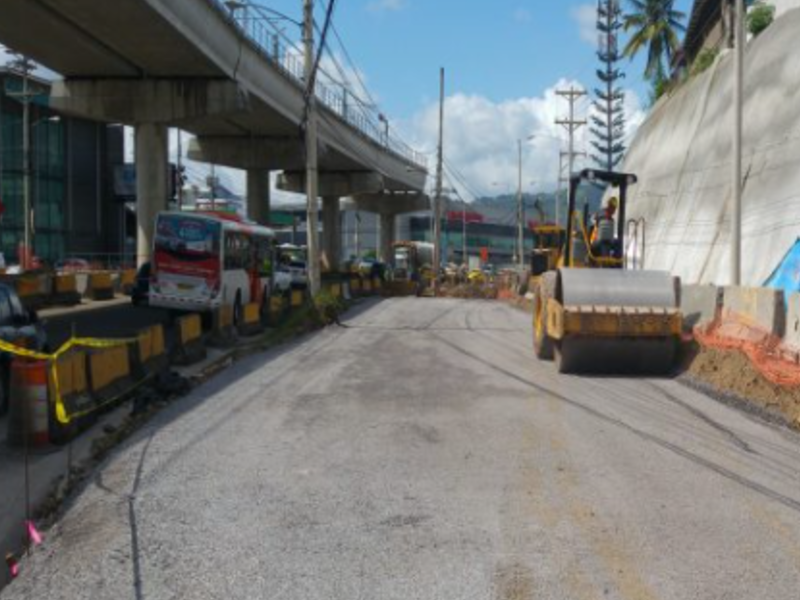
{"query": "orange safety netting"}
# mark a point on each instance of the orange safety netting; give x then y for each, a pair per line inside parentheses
(778, 363)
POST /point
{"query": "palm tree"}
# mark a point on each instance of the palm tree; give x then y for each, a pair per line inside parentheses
(656, 25)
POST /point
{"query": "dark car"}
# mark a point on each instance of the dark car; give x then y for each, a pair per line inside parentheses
(140, 294)
(17, 326)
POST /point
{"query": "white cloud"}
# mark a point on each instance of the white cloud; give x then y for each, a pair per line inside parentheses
(522, 15)
(386, 5)
(481, 137)
(585, 15)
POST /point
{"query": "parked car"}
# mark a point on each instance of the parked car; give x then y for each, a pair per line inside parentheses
(140, 293)
(296, 272)
(18, 326)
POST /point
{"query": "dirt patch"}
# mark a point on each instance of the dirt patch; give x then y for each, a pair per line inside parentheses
(476, 291)
(730, 376)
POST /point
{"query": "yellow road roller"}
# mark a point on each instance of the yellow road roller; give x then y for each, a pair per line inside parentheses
(591, 314)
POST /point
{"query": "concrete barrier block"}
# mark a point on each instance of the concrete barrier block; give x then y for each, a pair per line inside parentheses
(223, 333)
(65, 289)
(189, 348)
(355, 286)
(251, 320)
(149, 356)
(100, 286)
(791, 336)
(74, 390)
(700, 305)
(109, 371)
(760, 308)
(297, 298)
(127, 279)
(277, 308)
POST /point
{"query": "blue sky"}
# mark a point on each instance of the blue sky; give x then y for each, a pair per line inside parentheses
(500, 49)
(503, 58)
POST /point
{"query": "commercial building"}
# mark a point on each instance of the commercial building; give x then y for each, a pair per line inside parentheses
(75, 210)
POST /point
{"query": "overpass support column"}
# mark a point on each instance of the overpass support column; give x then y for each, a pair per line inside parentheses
(151, 184)
(258, 196)
(387, 237)
(332, 231)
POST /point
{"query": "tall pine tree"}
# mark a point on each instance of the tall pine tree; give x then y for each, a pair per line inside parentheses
(608, 118)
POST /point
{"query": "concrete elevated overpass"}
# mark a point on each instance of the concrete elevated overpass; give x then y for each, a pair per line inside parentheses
(228, 78)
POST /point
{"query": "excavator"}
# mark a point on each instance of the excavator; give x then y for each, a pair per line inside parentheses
(591, 315)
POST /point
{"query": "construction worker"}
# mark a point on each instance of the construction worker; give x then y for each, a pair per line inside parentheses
(603, 241)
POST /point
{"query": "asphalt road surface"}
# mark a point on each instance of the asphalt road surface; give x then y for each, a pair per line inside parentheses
(420, 452)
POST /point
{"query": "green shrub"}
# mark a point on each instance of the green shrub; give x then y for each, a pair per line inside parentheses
(329, 307)
(704, 60)
(760, 17)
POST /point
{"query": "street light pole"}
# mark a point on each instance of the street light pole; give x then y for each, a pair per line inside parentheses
(24, 65)
(26, 165)
(437, 208)
(312, 182)
(464, 233)
(736, 192)
(518, 254)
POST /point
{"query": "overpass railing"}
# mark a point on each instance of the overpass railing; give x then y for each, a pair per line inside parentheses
(260, 26)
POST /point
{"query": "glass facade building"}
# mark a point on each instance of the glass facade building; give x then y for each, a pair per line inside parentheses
(74, 212)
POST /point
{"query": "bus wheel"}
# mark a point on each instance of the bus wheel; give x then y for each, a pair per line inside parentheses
(265, 303)
(237, 310)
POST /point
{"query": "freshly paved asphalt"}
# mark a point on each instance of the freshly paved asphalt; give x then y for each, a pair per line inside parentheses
(421, 452)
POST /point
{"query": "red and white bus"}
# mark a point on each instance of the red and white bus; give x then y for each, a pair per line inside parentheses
(204, 260)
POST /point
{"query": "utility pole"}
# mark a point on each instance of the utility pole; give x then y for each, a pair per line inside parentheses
(312, 183)
(572, 125)
(179, 178)
(464, 232)
(520, 251)
(437, 207)
(738, 102)
(24, 65)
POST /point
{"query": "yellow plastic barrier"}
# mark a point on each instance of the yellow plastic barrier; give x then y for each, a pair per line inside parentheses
(251, 319)
(297, 298)
(336, 290)
(190, 328)
(62, 415)
(27, 286)
(127, 279)
(355, 285)
(367, 286)
(65, 283)
(100, 286)
(276, 308)
(190, 348)
(108, 366)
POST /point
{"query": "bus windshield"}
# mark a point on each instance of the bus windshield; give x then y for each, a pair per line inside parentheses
(401, 258)
(187, 238)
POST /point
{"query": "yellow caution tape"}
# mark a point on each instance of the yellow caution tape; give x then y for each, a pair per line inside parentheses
(61, 410)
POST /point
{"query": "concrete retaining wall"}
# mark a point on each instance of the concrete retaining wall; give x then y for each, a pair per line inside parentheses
(682, 155)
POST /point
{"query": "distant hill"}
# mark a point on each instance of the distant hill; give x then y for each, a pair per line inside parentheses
(502, 208)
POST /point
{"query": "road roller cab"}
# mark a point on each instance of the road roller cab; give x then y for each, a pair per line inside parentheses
(593, 316)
